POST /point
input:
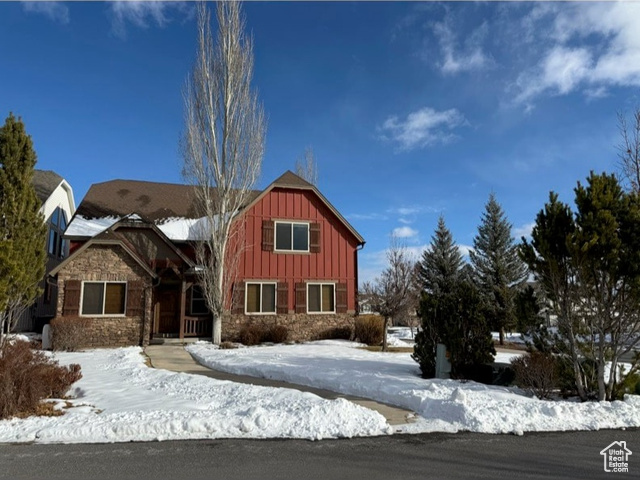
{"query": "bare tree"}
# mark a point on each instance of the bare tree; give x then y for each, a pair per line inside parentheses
(306, 166)
(395, 292)
(629, 150)
(223, 146)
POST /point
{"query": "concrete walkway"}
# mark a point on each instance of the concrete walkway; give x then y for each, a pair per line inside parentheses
(176, 359)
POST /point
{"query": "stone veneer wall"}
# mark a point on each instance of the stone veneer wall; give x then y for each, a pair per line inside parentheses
(109, 263)
(301, 326)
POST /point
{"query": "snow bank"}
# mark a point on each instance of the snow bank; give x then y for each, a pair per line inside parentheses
(120, 399)
(443, 405)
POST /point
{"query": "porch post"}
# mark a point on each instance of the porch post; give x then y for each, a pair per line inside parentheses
(183, 302)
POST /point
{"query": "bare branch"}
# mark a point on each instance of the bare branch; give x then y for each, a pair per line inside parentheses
(629, 150)
(307, 168)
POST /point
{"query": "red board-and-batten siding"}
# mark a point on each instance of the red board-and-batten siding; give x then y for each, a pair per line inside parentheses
(335, 263)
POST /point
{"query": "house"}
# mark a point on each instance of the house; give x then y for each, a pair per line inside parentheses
(132, 268)
(57, 207)
(616, 457)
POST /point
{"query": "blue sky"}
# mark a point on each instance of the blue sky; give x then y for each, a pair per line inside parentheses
(412, 109)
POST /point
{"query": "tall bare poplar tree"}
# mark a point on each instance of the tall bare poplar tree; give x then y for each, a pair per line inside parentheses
(307, 168)
(223, 146)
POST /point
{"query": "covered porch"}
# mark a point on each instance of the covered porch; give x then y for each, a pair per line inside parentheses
(179, 310)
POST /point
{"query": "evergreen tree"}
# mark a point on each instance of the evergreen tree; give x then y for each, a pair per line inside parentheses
(22, 228)
(527, 310)
(441, 262)
(455, 318)
(451, 310)
(498, 269)
(589, 267)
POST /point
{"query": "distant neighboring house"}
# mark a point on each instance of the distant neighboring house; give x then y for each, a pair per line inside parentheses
(365, 307)
(58, 206)
(132, 267)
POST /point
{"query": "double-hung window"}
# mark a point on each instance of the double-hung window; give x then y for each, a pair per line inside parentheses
(292, 236)
(103, 298)
(321, 298)
(260, 297)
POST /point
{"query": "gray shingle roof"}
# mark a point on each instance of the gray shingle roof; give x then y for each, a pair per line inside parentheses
(45, 182)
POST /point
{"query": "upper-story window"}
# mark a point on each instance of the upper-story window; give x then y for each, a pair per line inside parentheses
(56, 245)
(292, 236)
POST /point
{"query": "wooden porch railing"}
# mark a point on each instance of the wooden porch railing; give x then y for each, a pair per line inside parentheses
(197, 326)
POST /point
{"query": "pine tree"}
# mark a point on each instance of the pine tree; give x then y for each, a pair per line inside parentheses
(451, 310)
(22, 228)
(456, 319)
(498, 269)
(441, 263)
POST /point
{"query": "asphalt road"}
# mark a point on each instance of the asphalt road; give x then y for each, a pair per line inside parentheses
(460, 456)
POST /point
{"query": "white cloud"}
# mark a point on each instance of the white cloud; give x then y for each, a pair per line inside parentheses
(523, 231)
(366, 216)
(422, 128)
(56, 11)
(471, 57)
(592, 46)
(404, 232)
(142, 14)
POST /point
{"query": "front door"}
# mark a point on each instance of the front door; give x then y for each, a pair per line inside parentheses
(169, 311)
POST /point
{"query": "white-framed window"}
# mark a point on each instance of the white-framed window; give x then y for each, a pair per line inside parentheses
(103, 298)
(291, 236)
(260, 297)
(198, 303)
(321, 297)
(56, 245)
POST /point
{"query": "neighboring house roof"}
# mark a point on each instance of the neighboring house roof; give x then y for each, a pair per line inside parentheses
(162, 203)
(45, 182)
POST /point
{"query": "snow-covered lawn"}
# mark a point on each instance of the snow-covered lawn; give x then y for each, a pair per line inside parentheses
(120, 399)
(393, 378)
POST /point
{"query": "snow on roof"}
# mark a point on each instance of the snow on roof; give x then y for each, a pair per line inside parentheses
(176, 229)
(89, 227)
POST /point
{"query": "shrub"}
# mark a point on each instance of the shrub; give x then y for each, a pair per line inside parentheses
(29, 376)
(536, 372)
(250, 335)
(276, 334)
(228, 346)
(369, 329)
(337, 333)
(69, 333)
(256, 334)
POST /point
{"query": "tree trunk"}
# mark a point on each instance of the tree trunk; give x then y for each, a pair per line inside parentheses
(216, 335)
(613, 377)
(501, 336)
(577, 370)
(384, 333)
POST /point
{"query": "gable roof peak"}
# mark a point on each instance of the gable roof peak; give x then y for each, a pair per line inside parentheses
(290, 179)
